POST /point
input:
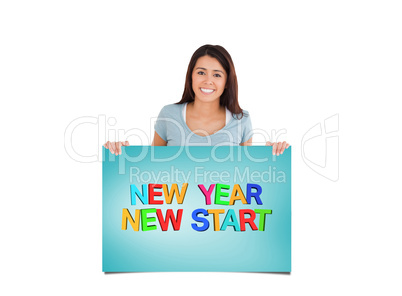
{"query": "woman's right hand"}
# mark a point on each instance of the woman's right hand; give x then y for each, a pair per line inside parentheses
(115, 147)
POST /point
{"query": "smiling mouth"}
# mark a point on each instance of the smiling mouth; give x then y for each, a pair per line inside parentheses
(207, 91)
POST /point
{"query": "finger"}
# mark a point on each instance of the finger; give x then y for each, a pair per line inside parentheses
(119, 144)
(116, 150)
(126, 143)
(283, 147)
(112, 147)
(279, 148)
(287, 146)
(106, 145)
(268, 143)
(274, 148)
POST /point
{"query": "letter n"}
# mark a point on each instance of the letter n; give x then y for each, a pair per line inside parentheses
(127, 216)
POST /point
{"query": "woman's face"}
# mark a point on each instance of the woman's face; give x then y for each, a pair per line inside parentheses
(209, 79)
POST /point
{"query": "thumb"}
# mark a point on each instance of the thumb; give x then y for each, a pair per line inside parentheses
(269, 144)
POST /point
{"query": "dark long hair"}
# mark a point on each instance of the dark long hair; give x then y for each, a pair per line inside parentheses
(229, 97)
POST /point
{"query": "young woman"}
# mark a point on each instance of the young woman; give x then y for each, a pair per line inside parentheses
(209, 112)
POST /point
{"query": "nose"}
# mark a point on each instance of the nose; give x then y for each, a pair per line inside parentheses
(208, 79)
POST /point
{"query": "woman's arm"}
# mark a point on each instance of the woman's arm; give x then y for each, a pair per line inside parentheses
(158, 141)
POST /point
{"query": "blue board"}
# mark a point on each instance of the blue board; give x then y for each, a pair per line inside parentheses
(253, 234)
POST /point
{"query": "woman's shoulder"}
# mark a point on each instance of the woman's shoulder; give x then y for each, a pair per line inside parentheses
(171, 109)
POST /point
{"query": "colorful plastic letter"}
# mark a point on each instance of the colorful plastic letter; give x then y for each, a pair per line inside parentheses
(234, 197)
(152, 194)
(135, 224)
(219, 193)
(195, 217)
(143, 196)
(261, 225)
(207, 193)
(227, 222)
(145, 219)
(249, 220)
(256, 195)
(169, 216)
(216, 213)
(175, 190)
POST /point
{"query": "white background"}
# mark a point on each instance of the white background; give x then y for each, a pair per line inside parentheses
(298, 63)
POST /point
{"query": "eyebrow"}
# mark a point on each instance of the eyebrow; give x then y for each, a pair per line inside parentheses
(206, 69)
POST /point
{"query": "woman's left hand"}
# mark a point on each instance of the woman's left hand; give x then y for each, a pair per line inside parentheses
(278, 147)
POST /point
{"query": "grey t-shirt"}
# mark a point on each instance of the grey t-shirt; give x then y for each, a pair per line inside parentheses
(171, 127)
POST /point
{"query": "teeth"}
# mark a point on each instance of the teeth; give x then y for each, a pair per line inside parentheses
(207, 90)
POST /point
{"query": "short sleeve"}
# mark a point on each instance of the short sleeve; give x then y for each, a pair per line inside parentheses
(247, 128)
(160, 125)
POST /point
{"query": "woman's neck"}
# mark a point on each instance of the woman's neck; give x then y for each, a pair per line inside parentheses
(205, 110)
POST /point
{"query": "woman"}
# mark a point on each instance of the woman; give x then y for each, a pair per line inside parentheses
(209, 112)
